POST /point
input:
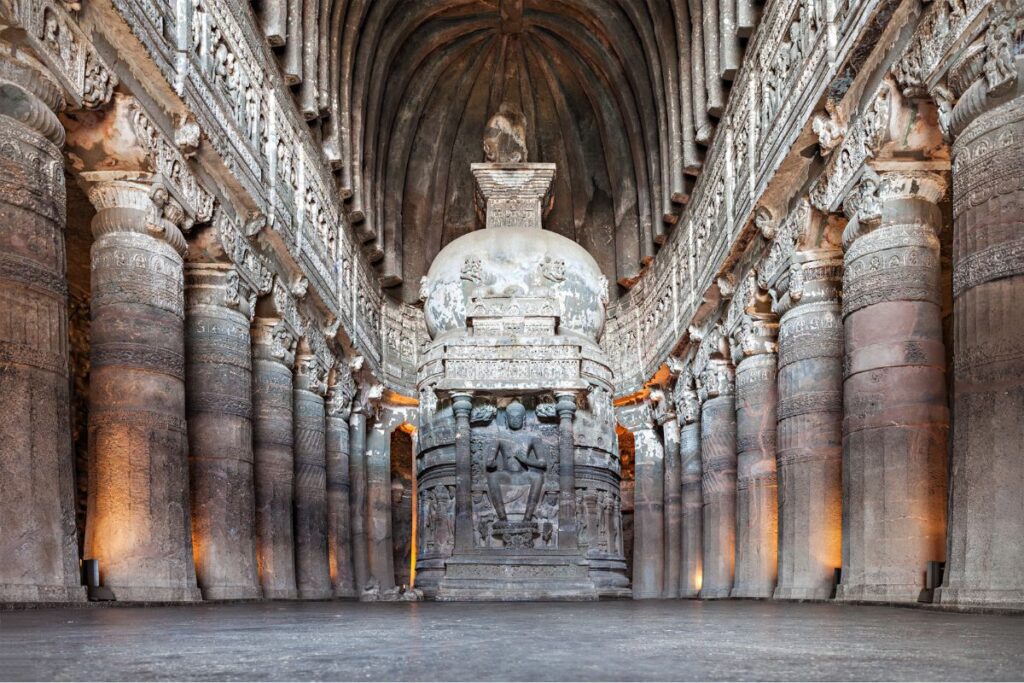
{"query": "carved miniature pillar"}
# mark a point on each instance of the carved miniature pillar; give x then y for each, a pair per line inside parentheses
(38, 507)
(357, 471)
(462, 406)
(691, 562)
(273, 354)
(985, 564)
(139, 522)
(666, 417)
(566, 407)
(757, 508)
(809, 435)
(718, 482)
(218, 373)
(380, 548)
(648, 505)
(894, 394)
(339, 514)
(312, 569)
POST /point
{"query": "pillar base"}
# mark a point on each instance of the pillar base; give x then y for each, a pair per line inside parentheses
(345, 593)
(232, 593)
(753, 591)
(1010, 598)
(880, 593)
(690, 595)
(25, 592)
(316, 594)
(280, 594)
(155, 594)
(796, 593)
(714, 594)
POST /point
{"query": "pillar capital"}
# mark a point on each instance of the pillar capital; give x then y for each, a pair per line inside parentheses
(462, 403)
(717, 379)
(636, 417)
(340, 393)
(29, 95)
(218, 285)
(272, 339)
(310, 373)
(136, 203)
(882, 192)
(565, 404)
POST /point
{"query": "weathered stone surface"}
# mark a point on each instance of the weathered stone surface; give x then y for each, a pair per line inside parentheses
(312, 569)
(718, 480)
(339, 487)
(673, 505)
(218, 383)
(648, 505)
(380, 553)
(357, 473)
(139, 522)
(691, 566)
(37, 503)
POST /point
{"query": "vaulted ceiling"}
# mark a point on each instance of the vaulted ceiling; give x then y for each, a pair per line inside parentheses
(621, 94)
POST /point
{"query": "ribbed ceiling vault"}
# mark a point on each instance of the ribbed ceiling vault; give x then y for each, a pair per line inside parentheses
(621, 94)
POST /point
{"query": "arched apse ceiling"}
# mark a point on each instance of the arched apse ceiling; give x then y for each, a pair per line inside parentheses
(622, 95)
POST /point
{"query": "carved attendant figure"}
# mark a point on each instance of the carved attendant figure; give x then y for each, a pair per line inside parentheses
(515, 457)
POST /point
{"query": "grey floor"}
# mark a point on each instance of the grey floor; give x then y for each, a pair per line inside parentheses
(539, 641)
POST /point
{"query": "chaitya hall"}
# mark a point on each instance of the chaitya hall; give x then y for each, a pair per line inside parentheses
(512, 300)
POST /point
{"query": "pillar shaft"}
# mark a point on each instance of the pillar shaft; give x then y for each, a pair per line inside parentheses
(718, 485)
(567, 531)
(648, 510)
(986, 520)
(312, 569)
(673, 506)
(339, 515)
(380, 548)
(894, 395)
(139, 522)
(357, 470)
(462, 406)
(691, 562)
(36, 464)
(274, 457)
(757, 511)
(810, 435)
(218, 373)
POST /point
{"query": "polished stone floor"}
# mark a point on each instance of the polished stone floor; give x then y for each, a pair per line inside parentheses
(540, 641)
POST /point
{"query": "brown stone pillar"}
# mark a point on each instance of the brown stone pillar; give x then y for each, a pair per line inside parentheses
(339, 512)
(218, 374)
(718, 483)
(357, 471)
(37, 507)
(648, 503)
(985, 564)
(809, 436)
(673, 495)
(757, 509)
(312, 570)
(380, 550)
(139, 522)
(691, 560)
(274, 458)
(462, 406)
(894, 393)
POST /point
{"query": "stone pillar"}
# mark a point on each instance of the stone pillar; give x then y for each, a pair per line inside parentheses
(357, 472)
(666, 418)
(312, 569)
(139, 522)
(218, 373)
(274, 457)
(36, 462)
(757, 509)
(567, 531)
(809, 435)
(691, 556)
(462, 406)
(380, 549)
(718, 482)
(339, 513)
(648, 503)
(985, 564)
(894, 393)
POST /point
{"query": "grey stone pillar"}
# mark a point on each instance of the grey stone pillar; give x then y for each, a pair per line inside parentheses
(37, 506)
(896, 421)
(462, 406)
(757, 509)
(312, 569)
(691, 561)
(357, 472)
(985, 564)
(673, 494)
(339, 512)
(718, 482)
(380, 550)
(648, 503)
(139, 523)
(274, 457)
(810, 428)
(567, 531)
(218, 373)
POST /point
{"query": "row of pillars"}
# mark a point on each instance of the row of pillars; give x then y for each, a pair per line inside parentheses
(221, 464)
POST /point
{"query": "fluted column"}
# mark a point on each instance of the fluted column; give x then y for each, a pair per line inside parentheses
(691, 560)
(357, 473)
(985, 564)
(757, 509)
(218, 373)
(718, 483)
(274, 457)
(339, 513)
(462, 407)
(666, 418)
(380, 548)
(37, 508)
(566, 408)
(139, 522)
(894, 393)
(649, 503)
(312, 569)
(809, 435)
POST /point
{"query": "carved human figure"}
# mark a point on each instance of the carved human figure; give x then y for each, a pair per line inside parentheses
(515, 456)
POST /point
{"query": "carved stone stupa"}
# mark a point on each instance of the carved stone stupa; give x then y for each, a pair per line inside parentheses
(517, 459)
